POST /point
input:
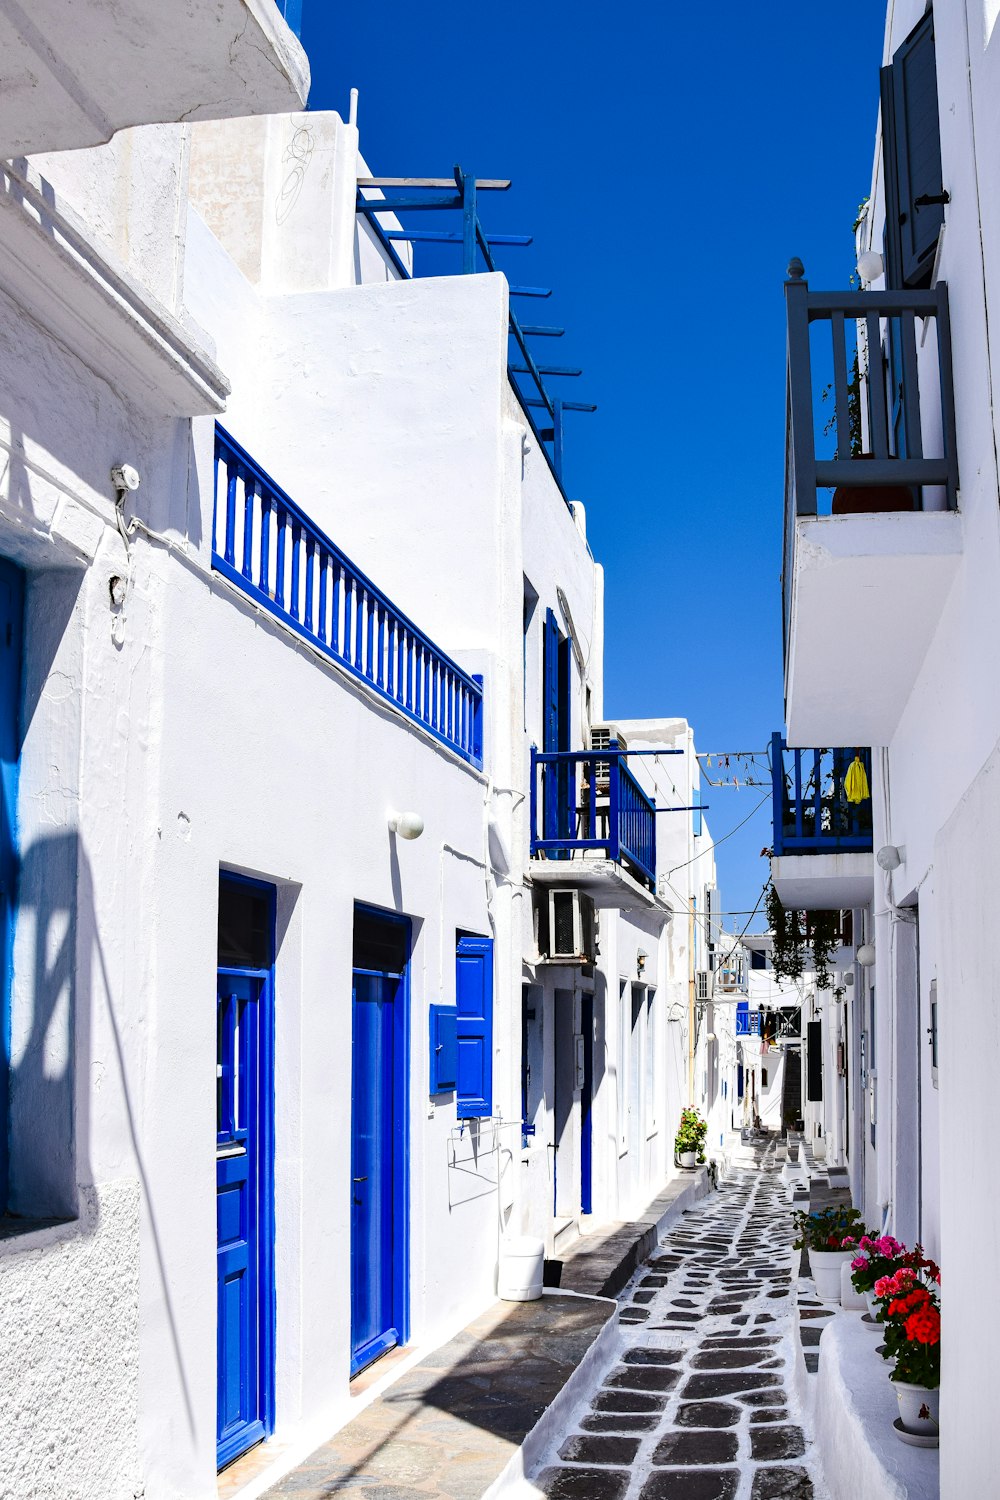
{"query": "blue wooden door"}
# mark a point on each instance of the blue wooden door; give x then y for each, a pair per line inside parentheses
(586, 1107)
(374, 1145)
(244, 1371)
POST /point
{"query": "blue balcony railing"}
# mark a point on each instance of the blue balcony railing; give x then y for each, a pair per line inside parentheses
(275, 555)
(589, 799)
(811, 809)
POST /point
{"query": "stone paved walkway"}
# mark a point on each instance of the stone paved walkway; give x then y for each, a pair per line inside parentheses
(701, 1405)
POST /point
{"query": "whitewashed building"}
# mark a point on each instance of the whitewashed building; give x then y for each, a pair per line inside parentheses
(891, 603)
(320, 980)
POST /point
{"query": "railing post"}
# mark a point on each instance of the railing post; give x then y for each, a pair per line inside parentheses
(557, 437)
(778, 791)
(533, 799)
(477, 720)
(614, 805)
(800, 390)
(467, 188)
(946, 378)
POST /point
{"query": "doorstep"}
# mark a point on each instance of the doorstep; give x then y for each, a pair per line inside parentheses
(853, 1416)
(473, 1416)
(604, 1262)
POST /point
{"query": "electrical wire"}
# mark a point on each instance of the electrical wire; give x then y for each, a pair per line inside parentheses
(715, 844)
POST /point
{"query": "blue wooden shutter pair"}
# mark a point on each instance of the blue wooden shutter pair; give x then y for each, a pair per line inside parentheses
(911, 146)
(474, 997)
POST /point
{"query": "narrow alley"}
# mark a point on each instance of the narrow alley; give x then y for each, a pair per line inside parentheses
(701, 1404)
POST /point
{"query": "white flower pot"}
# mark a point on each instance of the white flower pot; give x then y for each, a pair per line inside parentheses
(918, 1407)
(825, 1265)
(688, 1158)
(872, 1302)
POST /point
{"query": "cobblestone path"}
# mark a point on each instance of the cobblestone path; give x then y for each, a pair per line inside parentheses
(701, 1404)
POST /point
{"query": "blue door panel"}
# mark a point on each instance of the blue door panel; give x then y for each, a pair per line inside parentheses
(11, 653)
(376, 1252)
(243, 1213)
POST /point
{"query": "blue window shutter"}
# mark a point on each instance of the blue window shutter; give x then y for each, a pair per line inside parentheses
(911, 136)
(474, 995)
(444, 1048)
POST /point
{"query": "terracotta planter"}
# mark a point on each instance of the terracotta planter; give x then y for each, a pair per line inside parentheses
(825, 1266)
(866, 499)
(918, 1408)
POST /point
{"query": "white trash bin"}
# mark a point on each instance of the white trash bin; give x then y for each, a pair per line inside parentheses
(522, 1262)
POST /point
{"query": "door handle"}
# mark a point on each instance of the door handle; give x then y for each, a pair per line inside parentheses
(360, 1179)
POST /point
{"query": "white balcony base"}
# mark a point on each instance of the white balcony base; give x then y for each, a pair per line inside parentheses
(867, 593)
(608, 885)
(90, 303)
(73, 76)
(823, 882)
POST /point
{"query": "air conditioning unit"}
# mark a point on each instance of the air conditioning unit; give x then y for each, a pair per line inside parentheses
(605, 737)
(567, 938)
(701, 984)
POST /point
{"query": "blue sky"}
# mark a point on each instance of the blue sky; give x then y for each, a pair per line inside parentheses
(668, 160)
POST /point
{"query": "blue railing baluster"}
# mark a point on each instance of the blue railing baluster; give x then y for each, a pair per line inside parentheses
(231, 475)
(324, 563)
(344, 616)
(294, 584)
(248, 496)
(281, 518)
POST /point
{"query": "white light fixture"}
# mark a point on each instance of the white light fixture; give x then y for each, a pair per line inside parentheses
(408, 825)
(640, 960)
(710, 1037)
(870, 265)
(866, 955)
(889, 857)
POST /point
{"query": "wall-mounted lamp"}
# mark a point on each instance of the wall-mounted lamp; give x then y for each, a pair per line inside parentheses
(866, 955)
(889, 857)
(640, 961)
(870, 265)
(408, 825)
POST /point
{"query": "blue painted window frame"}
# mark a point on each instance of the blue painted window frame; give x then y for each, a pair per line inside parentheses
(265, 1187)
(401, 1113)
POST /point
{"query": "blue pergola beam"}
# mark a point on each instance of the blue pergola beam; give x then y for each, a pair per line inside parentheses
(452, 237)
(531, 291)
(544, 369)
(566, 406)
(537, 331)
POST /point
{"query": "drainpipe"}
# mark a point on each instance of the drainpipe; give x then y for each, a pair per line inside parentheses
(345, 191)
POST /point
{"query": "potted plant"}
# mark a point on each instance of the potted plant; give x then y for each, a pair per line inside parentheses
(912, 1317)
(878, 1257)
(690, 1138)
(830, 1235)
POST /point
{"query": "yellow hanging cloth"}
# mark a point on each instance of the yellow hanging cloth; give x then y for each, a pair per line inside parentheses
(856, 782)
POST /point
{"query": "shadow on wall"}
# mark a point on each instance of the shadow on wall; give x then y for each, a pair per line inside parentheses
(57, 1008)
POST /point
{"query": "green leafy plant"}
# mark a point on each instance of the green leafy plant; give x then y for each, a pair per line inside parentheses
(797, 933)
(838, 1227)
(691, 1133)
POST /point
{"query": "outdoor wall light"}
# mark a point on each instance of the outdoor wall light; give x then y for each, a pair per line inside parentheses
(870, 265)
(889, 857)
(640, 960)
(866, 955)
(408, 825)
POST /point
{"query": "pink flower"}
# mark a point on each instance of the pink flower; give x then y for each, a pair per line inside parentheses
(847, 1240)
(859, 1263)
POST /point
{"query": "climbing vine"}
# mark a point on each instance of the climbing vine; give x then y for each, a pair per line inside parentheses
(797, 933)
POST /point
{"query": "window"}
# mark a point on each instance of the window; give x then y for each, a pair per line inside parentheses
(911, 150)
(474, 1000)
